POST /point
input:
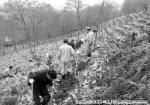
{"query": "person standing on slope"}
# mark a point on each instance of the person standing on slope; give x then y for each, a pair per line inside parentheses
(64, 56)
(95, 36)
(90, 41)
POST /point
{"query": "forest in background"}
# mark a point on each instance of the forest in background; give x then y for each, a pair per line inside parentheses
(29, 20)
(24, 19)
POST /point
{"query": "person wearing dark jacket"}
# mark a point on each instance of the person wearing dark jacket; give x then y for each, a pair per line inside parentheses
(39, 81)
(78, 44)
(72, 44)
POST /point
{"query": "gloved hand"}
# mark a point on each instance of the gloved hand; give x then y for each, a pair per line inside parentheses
(78, 52)
(30, 81)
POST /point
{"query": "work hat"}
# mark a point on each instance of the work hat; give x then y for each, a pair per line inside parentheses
(10, 67)
(88, 28)
(82, 40)
(47, 55)
(65, 40)
(94, 30)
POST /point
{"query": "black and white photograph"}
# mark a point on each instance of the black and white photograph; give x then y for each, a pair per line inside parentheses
(74, 52)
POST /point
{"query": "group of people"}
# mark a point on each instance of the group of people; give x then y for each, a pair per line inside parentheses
(39, 80)
(75, 45)
(68, 49)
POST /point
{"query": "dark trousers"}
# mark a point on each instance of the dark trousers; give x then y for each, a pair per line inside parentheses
(89, 50)
(43, 92)
(65, 75)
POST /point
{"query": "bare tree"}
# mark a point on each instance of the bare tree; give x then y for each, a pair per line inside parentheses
(102, 11)
(76, 5)
(36, 17)
(146, 5)
(17, 9)
(67, 21)
(41, 21)
(131, 6)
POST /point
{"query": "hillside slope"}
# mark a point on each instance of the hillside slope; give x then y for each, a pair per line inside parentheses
(118, 69)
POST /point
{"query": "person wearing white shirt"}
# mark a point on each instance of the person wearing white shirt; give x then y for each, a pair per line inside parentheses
(90, 41)
(64, 56)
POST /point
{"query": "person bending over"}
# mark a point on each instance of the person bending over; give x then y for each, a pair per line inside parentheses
(39, 81)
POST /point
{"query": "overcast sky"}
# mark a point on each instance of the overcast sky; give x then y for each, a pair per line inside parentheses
(59, 4)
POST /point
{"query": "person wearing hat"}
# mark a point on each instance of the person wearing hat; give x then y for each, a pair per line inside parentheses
(90, 41)
(64, 56)
(95, 35)
(38, 82)
(7, 73)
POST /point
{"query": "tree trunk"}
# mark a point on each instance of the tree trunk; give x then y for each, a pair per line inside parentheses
(22, 20)
(146, 5)
(28, 38)
(79, 26)
(15, 46)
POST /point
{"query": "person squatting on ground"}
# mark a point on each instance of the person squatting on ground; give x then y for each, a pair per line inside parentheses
(7, 73)
(90, 41)
(64, 56)
(40, 81)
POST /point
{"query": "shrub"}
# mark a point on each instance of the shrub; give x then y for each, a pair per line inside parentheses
(14, 91)
(10, 100)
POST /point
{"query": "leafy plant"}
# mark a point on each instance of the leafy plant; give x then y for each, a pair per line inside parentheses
(10, 100)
